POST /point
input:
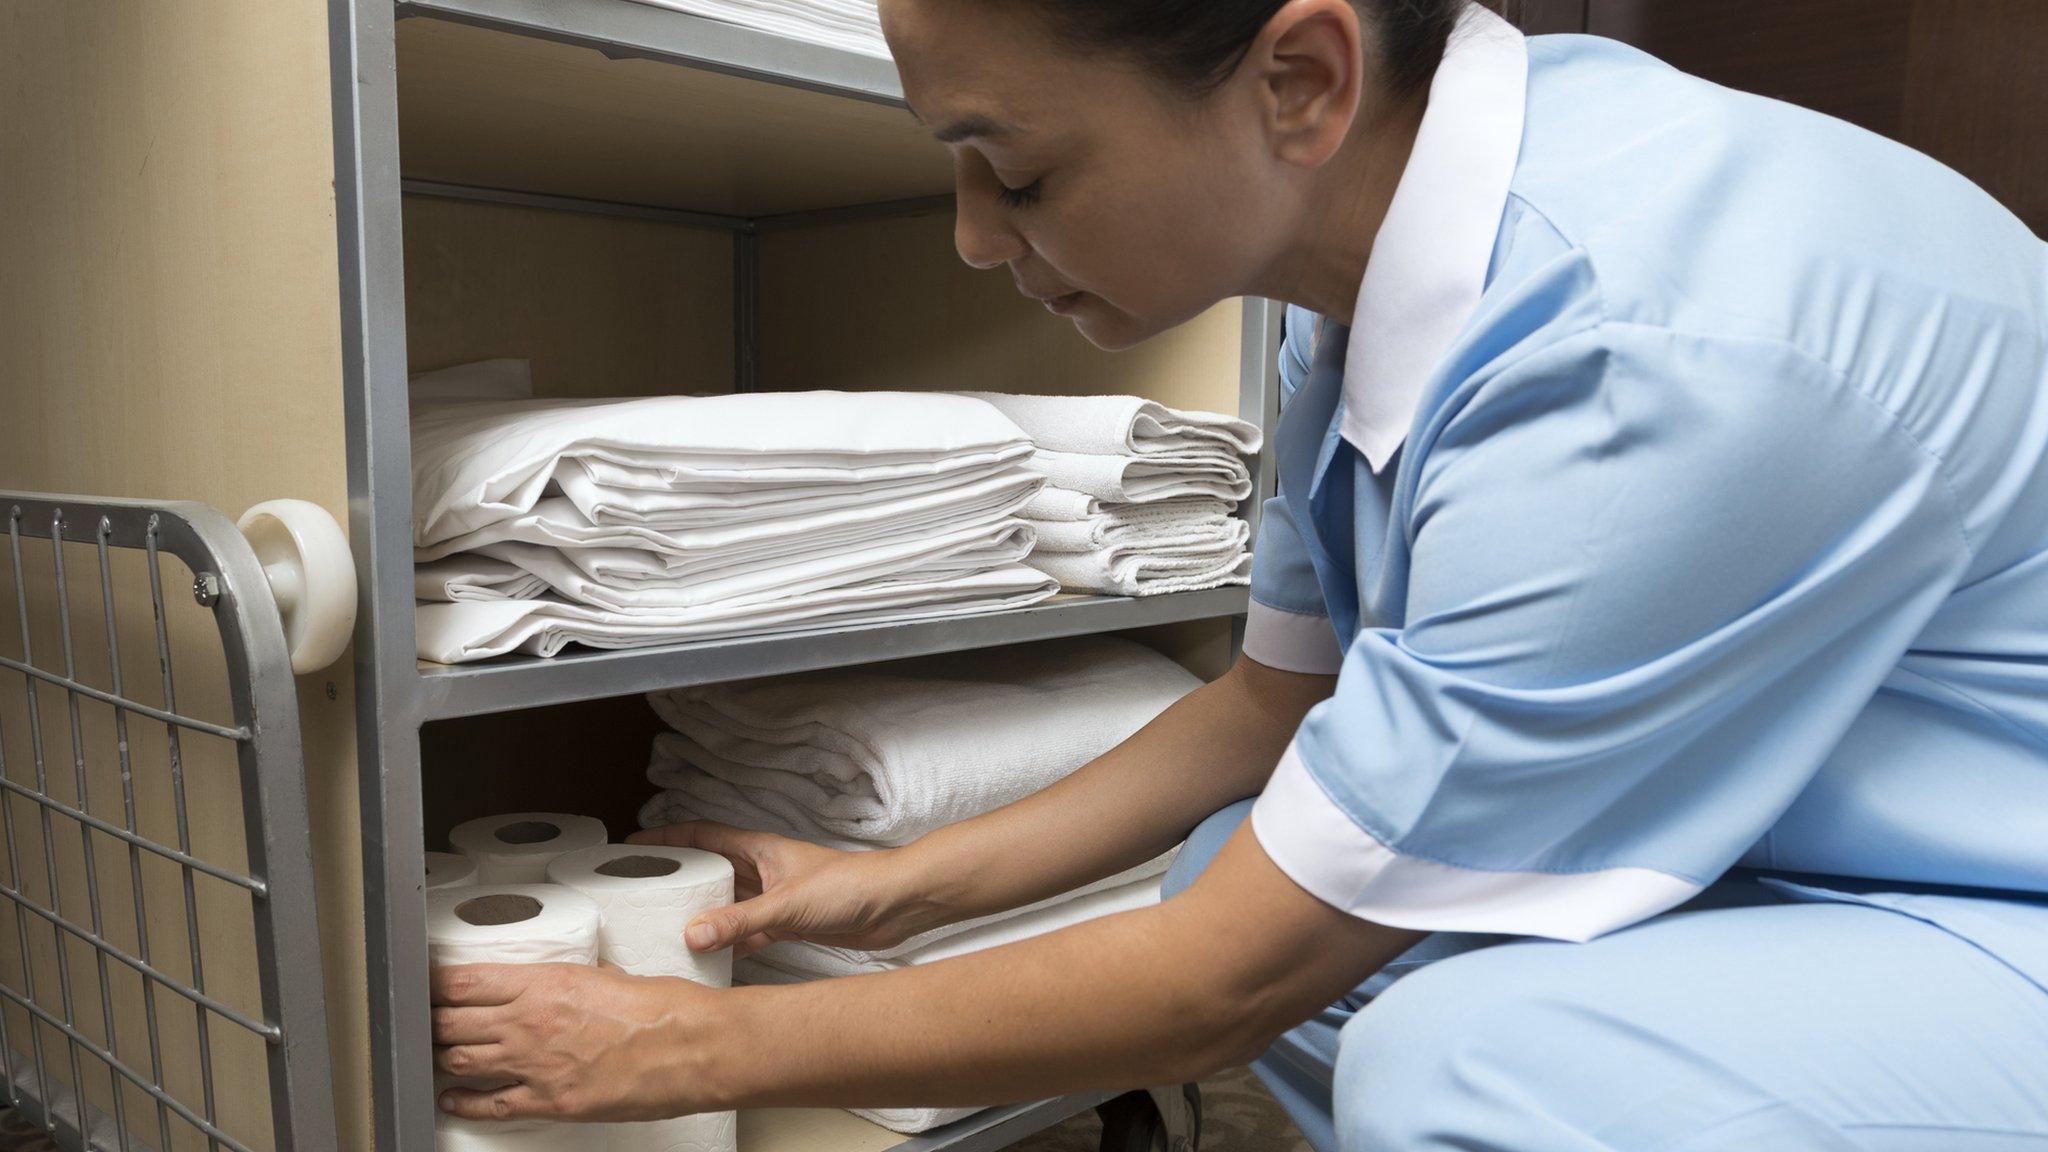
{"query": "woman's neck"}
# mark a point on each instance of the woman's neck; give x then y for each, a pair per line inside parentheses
(1344, 207)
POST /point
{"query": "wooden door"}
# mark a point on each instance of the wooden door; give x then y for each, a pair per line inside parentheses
(1965, 81)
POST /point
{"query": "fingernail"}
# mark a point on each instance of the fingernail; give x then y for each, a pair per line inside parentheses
(700, 936)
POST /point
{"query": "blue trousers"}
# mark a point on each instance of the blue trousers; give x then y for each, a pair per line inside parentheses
(1745, 1021)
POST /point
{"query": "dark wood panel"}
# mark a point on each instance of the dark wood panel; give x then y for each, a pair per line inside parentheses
(1977, 96)
(1965, 81)
(1537, 17)
(1843, 57)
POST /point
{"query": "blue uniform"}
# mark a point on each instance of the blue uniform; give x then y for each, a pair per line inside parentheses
(1674, 514)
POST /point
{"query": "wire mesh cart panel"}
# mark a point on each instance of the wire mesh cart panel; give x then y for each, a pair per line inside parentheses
(161, 974)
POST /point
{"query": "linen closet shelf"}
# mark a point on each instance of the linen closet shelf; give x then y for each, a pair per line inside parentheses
(594, 115)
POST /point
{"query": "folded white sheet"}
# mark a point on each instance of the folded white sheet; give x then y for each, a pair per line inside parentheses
(1206, 534)
(849, 25)
(989, 544)
(556, 522)
(1064, 504)
(1218, 475)
(481, 463)
(796, 963)
(691, 508)
(1127, 572)
(886, 753)
(471, 578)
(456, 633)
(1121, 425)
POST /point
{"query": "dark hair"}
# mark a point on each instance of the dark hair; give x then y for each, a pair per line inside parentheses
(1196, 44)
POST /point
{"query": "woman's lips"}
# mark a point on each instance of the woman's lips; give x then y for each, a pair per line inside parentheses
(1061, 305)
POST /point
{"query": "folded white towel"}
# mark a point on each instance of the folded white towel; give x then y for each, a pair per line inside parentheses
(478, 464)
(1121, 425)
(456, 633)
(1127, 572)
(673, 508)
(886, 753)
(796, 963)
(472, 578)
(1145, 479)
(925, 555)
(1213, 534)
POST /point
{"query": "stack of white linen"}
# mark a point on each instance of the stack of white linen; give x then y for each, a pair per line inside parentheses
(878, 756)
(621, 523)
(851, 25)
(1139, 497)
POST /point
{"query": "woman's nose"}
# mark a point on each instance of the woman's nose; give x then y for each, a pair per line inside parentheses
(981, 229)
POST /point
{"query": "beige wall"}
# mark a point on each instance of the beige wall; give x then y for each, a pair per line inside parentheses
(169, 329)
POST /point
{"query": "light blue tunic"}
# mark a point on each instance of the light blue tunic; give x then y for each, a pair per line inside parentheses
(1719, 539)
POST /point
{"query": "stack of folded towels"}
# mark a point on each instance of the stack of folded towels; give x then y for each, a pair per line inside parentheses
(1139, 497)
(851, 25)
(623, 523)
(878, 756)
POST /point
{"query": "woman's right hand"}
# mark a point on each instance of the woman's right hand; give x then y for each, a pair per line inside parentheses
(785, 889)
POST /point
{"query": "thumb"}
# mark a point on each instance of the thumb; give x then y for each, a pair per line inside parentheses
(724, 927)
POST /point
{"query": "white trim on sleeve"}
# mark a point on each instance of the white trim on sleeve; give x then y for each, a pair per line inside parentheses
(1304, 832)
(1292, 641)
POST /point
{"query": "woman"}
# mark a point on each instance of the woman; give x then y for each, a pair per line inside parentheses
(1651, 634)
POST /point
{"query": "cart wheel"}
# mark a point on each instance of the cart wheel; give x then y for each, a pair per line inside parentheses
(1132, 1123)
(312, 577)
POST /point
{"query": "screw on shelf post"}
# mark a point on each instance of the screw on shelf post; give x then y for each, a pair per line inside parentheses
(206, 589)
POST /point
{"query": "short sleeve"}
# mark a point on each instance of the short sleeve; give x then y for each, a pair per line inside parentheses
(1287, 627)
(1653, 578)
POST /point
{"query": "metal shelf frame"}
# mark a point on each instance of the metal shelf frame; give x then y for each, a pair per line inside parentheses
(395, 694)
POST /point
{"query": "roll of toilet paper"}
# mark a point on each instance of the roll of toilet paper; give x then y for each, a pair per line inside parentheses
(447, 870)
(511, 924)
(515, 848)
(710, 1132)
(508, 924)
(456, 1135)
(647, 894)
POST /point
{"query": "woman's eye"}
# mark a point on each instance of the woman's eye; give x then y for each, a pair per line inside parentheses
(1020, 197)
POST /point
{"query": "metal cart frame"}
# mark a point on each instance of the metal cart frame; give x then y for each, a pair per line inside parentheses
(395, 695)
(279, 879)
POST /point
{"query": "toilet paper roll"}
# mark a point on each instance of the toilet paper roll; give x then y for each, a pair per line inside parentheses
(515, 848)
(509, 924)
(710, 1132)
(447, 870)
(647, 894)
(456, 1135)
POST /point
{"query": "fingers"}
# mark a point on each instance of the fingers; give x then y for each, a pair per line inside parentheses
(480, 985)
(476, 1061)
(517, 1102)
(465, 1025)
(720, 838)
(751, 945)
(724, 927)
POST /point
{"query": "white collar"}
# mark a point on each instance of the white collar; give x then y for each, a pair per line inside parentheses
(1430, 258)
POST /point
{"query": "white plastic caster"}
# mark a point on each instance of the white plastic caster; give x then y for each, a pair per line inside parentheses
(312, 576)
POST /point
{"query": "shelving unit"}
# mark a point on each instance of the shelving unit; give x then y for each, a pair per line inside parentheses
(520, 120)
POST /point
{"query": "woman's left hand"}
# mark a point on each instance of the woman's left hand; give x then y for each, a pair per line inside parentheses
(582, 1043)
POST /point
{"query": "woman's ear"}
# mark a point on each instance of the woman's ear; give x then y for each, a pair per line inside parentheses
(1309, 67)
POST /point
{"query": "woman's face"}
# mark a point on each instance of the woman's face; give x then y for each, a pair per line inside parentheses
(1114, 199)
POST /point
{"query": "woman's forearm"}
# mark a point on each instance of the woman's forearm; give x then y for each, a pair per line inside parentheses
(1215, 745)
(1159, 996)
